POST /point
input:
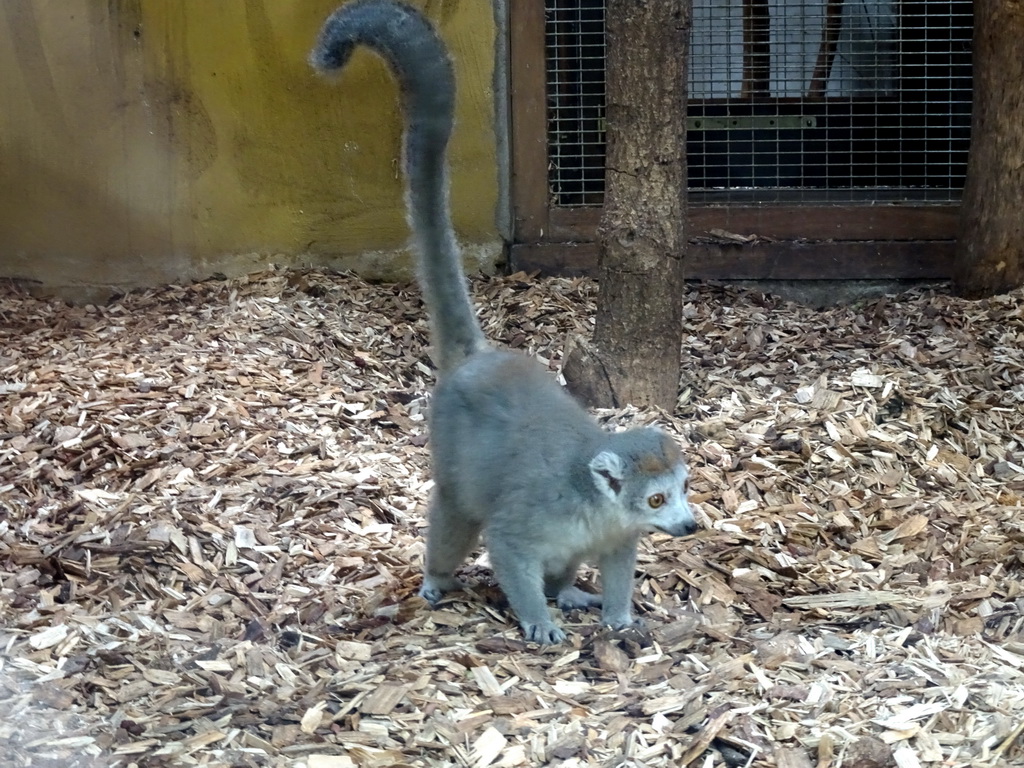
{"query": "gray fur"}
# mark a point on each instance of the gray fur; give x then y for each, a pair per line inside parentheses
(516, 460)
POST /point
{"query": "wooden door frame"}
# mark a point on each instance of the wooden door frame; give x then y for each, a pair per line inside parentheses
(787, 242)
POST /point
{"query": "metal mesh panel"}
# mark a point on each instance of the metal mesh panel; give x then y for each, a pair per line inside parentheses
(817, 101)
(574, 38)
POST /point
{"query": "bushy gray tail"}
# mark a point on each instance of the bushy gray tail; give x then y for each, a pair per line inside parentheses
(407, 41)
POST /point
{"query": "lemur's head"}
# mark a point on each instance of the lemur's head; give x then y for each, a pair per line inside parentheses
(643, 472)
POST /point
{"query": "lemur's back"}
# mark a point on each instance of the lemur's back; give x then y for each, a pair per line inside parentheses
(489, 420)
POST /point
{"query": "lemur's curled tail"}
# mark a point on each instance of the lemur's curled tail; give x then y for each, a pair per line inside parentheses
(406, 40)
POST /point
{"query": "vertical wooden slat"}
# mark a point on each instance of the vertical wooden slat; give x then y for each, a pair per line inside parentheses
(529, 123)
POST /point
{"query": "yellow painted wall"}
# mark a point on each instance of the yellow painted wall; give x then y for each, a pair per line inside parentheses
(147, 141)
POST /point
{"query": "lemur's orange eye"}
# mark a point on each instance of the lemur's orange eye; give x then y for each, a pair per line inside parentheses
(656, 500)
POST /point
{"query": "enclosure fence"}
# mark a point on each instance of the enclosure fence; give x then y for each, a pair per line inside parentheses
(790, 101)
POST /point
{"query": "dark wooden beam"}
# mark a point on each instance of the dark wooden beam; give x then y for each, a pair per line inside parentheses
(879, 260)
(789, 222)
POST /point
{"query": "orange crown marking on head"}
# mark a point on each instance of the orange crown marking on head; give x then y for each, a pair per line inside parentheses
(658, 463)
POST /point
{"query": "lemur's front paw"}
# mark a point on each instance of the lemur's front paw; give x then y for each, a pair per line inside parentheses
(544, 633)
(623, 622)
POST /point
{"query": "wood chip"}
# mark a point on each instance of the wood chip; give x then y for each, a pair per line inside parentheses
(383, 699)
(487, 748)
(211, 531)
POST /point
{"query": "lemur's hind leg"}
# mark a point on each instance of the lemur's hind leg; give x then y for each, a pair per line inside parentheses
(562, 587)
(450, 539)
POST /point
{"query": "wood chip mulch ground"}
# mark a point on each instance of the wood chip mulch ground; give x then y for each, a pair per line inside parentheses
(211, 526)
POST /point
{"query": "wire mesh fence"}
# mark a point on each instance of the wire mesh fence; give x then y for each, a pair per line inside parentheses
(814, 101)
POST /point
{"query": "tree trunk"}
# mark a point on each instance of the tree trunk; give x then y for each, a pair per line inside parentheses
(990, 250)
(634, 357)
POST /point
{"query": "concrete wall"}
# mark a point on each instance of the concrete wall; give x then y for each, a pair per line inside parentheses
(150, 141)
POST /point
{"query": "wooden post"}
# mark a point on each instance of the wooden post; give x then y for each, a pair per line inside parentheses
(638, 334)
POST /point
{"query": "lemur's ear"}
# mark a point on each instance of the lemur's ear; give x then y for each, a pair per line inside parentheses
(608, 470)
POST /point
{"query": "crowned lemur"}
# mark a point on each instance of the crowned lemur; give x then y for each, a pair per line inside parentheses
(515, 458)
